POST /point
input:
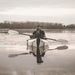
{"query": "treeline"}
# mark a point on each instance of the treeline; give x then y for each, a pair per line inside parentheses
(32, 25)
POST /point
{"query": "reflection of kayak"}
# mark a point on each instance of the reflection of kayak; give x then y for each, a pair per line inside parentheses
(43, 46)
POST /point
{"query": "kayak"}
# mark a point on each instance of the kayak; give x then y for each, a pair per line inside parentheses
(43, 46)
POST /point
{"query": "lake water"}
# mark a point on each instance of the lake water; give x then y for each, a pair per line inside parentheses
(56, 62)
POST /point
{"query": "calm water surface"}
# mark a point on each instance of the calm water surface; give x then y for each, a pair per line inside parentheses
(56, 62)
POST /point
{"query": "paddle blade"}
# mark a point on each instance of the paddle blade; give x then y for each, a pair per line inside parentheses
(63, 41)
(59, 40)
(62, 47)
(13, 32)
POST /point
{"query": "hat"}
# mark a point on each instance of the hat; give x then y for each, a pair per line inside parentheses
(39, 25)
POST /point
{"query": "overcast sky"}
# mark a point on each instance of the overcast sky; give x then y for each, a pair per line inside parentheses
(62, 11)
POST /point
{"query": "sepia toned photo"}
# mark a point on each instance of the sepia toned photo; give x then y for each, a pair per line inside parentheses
(37, 37)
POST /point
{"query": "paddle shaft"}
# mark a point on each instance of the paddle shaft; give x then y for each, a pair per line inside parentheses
(44, 38)
(27, 34)
(50, 39)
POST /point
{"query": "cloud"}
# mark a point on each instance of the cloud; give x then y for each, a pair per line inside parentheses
(9, 4)
(38, 10)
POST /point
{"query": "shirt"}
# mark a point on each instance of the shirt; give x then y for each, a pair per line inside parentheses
(38, 33)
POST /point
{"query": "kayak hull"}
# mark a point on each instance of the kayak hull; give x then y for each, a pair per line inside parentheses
(32, 46)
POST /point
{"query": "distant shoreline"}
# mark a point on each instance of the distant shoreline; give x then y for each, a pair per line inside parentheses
(33, 25)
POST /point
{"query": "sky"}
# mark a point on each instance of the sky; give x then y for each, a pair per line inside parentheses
(60, 11)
